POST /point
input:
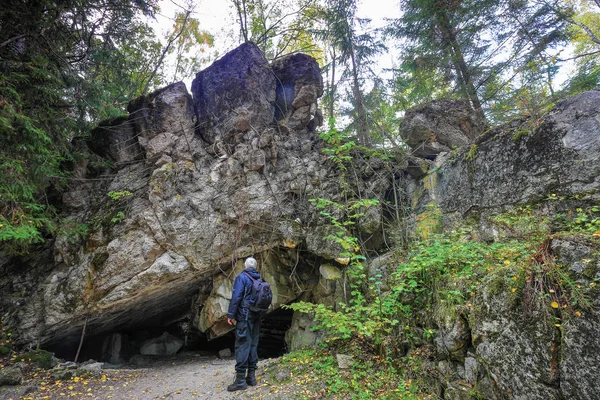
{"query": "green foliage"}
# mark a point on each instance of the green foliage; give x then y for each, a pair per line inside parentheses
(339, 146)
(117, 195)
(583, 220)
(279, 27)
(118, 209)
(72, 230)
(187, 45)
(472, 153)
(429, 221)
(439, 275)
(584, 33)
(343, 324)
(63, 68)
(118, 218)
(524, 223)
(485, 52)
(369, 377)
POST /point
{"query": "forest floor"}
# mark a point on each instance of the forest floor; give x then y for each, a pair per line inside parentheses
(184, 376)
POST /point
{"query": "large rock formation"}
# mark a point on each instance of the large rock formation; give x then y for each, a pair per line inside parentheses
(440, 126)
(195, 185)
(518, 164)
(494, 350)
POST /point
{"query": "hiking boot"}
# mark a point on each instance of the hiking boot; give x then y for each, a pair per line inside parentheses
(239, 383)
(251, 378)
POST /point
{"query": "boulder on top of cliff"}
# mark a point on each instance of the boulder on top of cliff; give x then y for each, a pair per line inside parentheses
(234, 94)
(116, 140)
(299, 85)
(438, 126)
(164, 123)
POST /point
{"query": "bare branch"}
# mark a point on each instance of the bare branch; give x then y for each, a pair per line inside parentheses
(12, 39)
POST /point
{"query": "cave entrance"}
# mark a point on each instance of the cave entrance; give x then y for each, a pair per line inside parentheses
(119, 347)
(272, 333)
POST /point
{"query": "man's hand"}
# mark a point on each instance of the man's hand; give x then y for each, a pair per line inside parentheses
(231, 321)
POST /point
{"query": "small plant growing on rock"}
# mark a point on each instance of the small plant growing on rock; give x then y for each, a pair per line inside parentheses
(118, 195)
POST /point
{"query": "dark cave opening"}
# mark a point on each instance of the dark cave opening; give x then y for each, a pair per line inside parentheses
(272, 333)
(119, 347)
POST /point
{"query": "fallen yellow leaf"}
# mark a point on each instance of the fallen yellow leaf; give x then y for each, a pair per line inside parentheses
(554, 304)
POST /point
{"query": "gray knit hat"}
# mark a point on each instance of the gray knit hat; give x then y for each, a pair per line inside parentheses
(250, 263)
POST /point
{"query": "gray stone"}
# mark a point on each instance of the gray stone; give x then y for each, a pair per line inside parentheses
(274, 268)
(519, 354)
(200, 206)
(282, 375)
(457, 391)
(63, 374)
(447, 370)
(67, 365)
(451, 340)
(440, 126)
(94, 367)
(305, 97)
(300, 334)
(330, 272)
(164, 345)
(471, 370)
(113, 348)
(225, 353)
(116, 141)
(10, 376)
(570, 252)
(580, 358)
(299, 83)
(344, 361)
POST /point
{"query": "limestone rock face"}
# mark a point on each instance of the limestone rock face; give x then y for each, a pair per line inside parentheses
(453, 339)
(580, 362)
(439, 126)
(214, 179)
(300, 334)
(520, 354)
(516, 165)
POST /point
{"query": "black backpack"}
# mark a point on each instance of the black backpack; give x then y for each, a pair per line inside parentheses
(260, 295)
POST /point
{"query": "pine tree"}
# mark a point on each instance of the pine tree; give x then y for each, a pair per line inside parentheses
(63, 66)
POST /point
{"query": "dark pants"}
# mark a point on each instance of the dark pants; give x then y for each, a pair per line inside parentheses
(246, 344)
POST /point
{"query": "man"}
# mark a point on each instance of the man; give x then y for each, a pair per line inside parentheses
(247, 327)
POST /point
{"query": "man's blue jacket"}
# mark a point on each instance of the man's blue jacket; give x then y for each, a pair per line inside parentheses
(242, 288)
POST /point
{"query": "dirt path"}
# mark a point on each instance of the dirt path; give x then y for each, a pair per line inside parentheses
(188, 376)
(185, 376)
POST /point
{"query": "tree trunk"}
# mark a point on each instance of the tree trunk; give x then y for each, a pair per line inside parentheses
(449, 35)
(240, 7)
(332, 90)
(362, 128)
